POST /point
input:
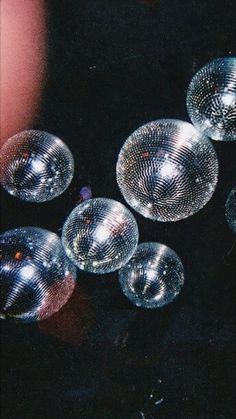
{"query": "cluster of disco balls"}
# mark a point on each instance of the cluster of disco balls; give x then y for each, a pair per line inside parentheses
(167, 170)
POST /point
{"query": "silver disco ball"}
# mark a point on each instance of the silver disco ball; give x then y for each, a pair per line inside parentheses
(100, 235)
(167, 170)
(211, 99)
(36, 277)
(153, 277)
(35, 166)
(230, 210)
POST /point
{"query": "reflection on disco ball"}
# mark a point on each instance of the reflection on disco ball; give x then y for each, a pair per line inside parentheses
(167, 170)
(100, 235)
(211, 99)
(36, 276)
(35, 166)
(230, 210)
(153, 277)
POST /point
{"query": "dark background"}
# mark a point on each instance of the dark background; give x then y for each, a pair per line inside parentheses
(114, 65)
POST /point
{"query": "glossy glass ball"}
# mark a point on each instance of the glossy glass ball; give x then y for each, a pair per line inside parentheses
(167, 170)
(100, 235)
(153, 277)
(211, 99)
(35, 166)
(230, 210)
(36, 277)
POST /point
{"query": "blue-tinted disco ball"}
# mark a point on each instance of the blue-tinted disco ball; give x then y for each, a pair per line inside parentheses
(153, 277)
(230, 210)
(167, 170)
(100, 235)
(35, 166)
(211, 99)
(36, 277)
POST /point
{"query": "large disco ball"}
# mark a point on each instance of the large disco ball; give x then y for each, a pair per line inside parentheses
(100, 235)
(36, 277)
(230, 210)
(211, 99)
(35, 166)
(153, 277)
(167, 170)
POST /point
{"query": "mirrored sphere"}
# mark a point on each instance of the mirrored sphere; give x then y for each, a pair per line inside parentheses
(211, 99)
(230, 210)
(153, 277)
(36, 277)
(167, 170)
(100, 235)
(35, 166)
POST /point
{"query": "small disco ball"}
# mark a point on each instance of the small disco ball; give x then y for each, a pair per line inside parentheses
(36, 277)
(35, 166)
(100, 235)
(211, 99)
(167, 170)
(230, 210)
(153, 277)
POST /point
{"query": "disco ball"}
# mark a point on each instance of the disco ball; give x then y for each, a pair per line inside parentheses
(211, 99)
(100, 235)
(153, 277)
(230, 210)
(167, 170)
(35, 166)
(36, 276)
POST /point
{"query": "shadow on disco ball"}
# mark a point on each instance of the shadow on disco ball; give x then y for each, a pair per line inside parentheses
(153, 277)
(100, 235)
(211, 99)
(35, 166)
(36, 277)
(167, 170)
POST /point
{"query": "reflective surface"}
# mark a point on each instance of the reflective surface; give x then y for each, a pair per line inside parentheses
(115, 65)
(35, 166)
(167, 170)
(211, 99)
(36, 276)
(100, 235)
(153, 277)
(230, 210)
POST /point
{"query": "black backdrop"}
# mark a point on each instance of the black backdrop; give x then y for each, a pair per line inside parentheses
(112, 66)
